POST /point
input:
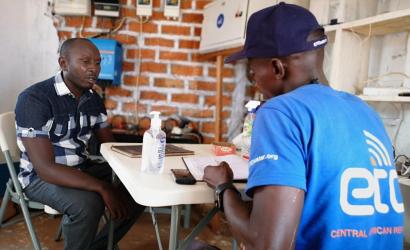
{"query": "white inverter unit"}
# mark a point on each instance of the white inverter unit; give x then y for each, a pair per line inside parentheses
(224, 23)
(72, 7)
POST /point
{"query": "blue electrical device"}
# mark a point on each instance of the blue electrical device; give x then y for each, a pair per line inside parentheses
(111, 61)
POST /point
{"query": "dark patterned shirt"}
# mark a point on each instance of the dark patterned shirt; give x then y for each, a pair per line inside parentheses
(49, 109)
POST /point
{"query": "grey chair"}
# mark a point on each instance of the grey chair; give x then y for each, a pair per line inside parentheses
(14, 192)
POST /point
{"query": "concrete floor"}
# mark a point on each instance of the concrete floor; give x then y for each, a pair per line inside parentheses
(141, 235)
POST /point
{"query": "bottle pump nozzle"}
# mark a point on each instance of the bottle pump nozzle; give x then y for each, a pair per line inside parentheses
(155, 120)
(252, 105)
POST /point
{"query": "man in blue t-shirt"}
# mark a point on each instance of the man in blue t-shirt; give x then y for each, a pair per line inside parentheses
(322, 173)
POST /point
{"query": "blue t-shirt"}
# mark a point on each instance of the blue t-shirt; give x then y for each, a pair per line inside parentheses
(335, 148)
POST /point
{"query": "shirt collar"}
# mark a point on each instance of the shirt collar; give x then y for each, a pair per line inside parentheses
(60, 86)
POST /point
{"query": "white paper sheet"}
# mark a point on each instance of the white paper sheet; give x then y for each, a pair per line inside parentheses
(196, 165)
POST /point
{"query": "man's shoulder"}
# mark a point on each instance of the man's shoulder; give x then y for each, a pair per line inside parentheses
(40, 88)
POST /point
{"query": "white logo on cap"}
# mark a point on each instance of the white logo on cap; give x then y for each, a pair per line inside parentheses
(320, 42)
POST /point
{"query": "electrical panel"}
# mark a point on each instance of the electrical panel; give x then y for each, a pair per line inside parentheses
(72, 7)
(108, 8)
(224, 24)
(144, 8)
(111, 61)
(172, 8)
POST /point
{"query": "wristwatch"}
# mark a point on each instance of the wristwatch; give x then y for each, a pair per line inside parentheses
(219, 194)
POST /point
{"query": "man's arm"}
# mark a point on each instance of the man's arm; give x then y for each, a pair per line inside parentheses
(40, 151)
(273, 221)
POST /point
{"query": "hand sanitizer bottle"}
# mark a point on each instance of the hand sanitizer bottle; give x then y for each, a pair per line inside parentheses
(247, 128)
(153, 147)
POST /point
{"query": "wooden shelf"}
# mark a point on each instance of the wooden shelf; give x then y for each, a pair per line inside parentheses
(385, 98)
(331, 28)
(387, 23)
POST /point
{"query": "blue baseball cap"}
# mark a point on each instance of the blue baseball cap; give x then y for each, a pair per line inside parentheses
(278, 31)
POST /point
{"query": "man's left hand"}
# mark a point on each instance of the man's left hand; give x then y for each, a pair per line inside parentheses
(219, 174)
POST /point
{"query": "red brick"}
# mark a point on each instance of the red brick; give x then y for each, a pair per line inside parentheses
(152, 95)
(176, 30)
(134, 107)
(165, 110)
(197, 58)
(207, 140)
(153, 67)
(64, 35)
(209, 127)
(117, 91)
(188, 44)
(125, 39)
(210, 100)
(198, 113)
(105, 23)
(110, 104)
(146, 27)
(168, 83)
(158, 15)
(192, 18)
(187, 70)
(226, 72)
(186, 4)
(200, 4)
(128, 12)
(197, 31)
(177, 56)
(201, 85)
(132, 80)
(76, 21)
(185, 98)
(229, 87)
(159, 42)
(226, 114)
(145, 53)
(86, 34)
(128, 66)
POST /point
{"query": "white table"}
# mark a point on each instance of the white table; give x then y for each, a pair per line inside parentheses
(161, 190)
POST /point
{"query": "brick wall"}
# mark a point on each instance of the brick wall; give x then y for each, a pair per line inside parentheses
(172, 78)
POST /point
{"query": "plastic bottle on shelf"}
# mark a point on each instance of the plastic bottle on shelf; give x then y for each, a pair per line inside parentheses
(247, 127)
(153, 146)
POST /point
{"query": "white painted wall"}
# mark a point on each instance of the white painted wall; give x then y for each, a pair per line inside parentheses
(28, 46)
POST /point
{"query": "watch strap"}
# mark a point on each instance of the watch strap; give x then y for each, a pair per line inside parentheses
(219, 192)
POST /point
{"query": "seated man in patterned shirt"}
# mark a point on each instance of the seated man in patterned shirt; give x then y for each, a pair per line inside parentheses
(55, 119)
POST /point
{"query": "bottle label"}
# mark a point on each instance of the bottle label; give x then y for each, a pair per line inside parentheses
(160, 152)
(247, 129)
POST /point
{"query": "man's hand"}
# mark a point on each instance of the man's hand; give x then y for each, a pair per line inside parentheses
(116, 201)
(219, 174)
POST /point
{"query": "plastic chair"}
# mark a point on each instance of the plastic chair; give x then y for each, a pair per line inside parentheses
(14, 192)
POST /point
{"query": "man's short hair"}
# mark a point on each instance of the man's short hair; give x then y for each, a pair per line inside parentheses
(69, 43)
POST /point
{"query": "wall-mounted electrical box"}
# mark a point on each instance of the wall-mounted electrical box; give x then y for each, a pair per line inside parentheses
(108, 8)
(224, 24)
(111, 61)
(72, 7)
(172, 8)
(144, 8)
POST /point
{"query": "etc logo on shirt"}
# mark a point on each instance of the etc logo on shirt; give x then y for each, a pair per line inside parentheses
(382, 170)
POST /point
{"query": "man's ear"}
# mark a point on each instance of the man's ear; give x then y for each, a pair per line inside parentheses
(278, 68)
(63, 63)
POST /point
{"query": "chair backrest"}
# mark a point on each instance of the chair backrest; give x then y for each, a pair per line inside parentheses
(8, 140)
